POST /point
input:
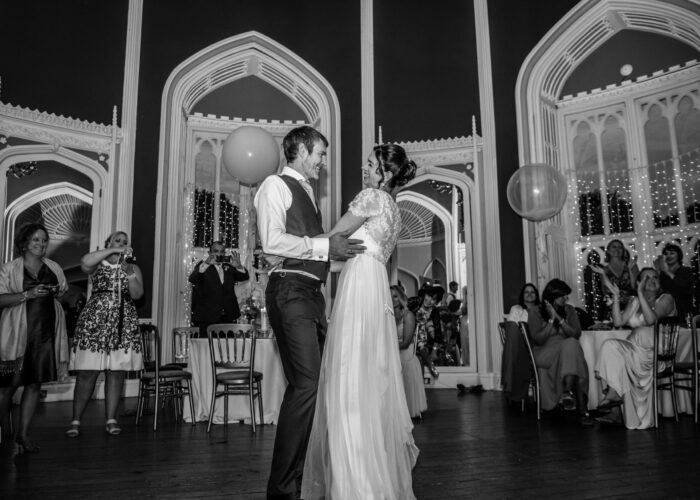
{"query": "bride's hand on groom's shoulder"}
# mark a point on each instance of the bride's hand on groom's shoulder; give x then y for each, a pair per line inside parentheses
(340, 247)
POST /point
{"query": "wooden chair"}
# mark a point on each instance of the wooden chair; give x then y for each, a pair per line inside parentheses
(663, 368)
(163, 382)
(181, 344)
(534, 376)
(232, 348)
(686, 373)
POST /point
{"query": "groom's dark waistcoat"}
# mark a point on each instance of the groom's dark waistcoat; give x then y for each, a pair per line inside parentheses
(303, 220)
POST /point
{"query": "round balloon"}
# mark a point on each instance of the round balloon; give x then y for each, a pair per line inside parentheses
(537, 191)
(250, 154)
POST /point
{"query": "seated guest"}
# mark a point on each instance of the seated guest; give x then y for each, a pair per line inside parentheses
(625, 365)
(429, 326)
(515, 365)
(621, 270)
(676, 278)
(529, 297)
(555, 330)
(410, 365)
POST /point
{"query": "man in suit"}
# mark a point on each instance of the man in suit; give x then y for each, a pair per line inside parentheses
(289, 224)
(214, 296)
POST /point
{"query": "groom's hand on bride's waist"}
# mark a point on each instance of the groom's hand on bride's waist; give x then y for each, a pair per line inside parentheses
(340, 247)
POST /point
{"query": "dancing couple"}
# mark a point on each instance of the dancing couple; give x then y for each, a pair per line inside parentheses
(344, 430)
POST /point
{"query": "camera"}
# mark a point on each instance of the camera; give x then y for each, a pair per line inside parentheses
(128, 256)
(223, 259)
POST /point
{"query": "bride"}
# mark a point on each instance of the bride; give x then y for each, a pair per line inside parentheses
(361, 443)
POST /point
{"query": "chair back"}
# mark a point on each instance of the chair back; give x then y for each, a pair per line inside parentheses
(502, 332)
(181, 343)
(149, 346)
(535, 378)
(232, 346)
(666, 341)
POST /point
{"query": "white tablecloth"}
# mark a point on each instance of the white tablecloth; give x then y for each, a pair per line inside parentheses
(267, 361)
(591, 340)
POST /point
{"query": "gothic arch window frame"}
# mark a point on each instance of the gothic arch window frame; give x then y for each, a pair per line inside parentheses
(32, 197)
(101, 215)
(246, 54)
(543, 74)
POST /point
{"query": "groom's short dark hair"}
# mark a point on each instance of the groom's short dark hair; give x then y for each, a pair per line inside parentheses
(308, 136)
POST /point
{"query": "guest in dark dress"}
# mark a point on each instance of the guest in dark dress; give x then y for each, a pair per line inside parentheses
(33, 340)
(676, 279)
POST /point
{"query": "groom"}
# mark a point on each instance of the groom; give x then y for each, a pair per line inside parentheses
(288, 221)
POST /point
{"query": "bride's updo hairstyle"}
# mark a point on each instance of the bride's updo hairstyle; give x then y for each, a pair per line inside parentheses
(392, 158)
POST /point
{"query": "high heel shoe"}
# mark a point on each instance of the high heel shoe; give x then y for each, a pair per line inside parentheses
(74, 430)
(112, 427)
(25, 445)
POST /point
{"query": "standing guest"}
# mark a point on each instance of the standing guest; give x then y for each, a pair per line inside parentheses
(289, 223)
(429, 335)
(625, 365)
(555, 330)
(214, 295)
(515, 362)
(107, 336)
(676, 279)
(453, 288)
(619, 269)
(410, 365)
(33, 339)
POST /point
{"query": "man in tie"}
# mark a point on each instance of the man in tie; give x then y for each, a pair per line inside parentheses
(213, 295)
(288, 222)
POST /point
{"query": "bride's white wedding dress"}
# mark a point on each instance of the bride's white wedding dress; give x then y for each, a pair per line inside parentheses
(361, 445)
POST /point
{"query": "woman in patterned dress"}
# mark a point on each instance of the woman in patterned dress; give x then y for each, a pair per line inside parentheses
(107, 335)
(33, 340)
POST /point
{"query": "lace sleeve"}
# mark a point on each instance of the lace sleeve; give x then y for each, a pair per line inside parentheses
(367, 203)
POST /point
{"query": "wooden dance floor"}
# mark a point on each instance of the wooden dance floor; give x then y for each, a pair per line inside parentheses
(472, 446)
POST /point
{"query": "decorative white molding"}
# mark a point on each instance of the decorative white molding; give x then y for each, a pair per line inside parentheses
(57, 130)
(246, 54)
(367, 74)
(691, 71)
(124, 175)
(492, 241)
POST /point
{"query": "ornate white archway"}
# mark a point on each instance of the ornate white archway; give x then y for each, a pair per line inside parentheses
(247, 54)
(545, 71)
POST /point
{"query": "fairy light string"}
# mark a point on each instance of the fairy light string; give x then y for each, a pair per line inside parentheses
(660, 208)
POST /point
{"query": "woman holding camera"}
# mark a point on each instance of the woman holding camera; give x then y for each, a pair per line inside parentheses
(33, 341)
(107, 335)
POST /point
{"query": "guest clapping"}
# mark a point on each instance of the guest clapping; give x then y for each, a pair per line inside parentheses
(107, 336)
(555, 330)
(410, 365)
(676, 279)
(621, 269)
(33, 339)
(625, 365)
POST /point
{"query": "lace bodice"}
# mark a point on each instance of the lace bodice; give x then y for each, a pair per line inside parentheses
(380, 231)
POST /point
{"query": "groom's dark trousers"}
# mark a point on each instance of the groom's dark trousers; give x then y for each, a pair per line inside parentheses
(297, 312)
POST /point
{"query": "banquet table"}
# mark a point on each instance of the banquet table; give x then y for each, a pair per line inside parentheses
(592, 340)
(274, 383)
